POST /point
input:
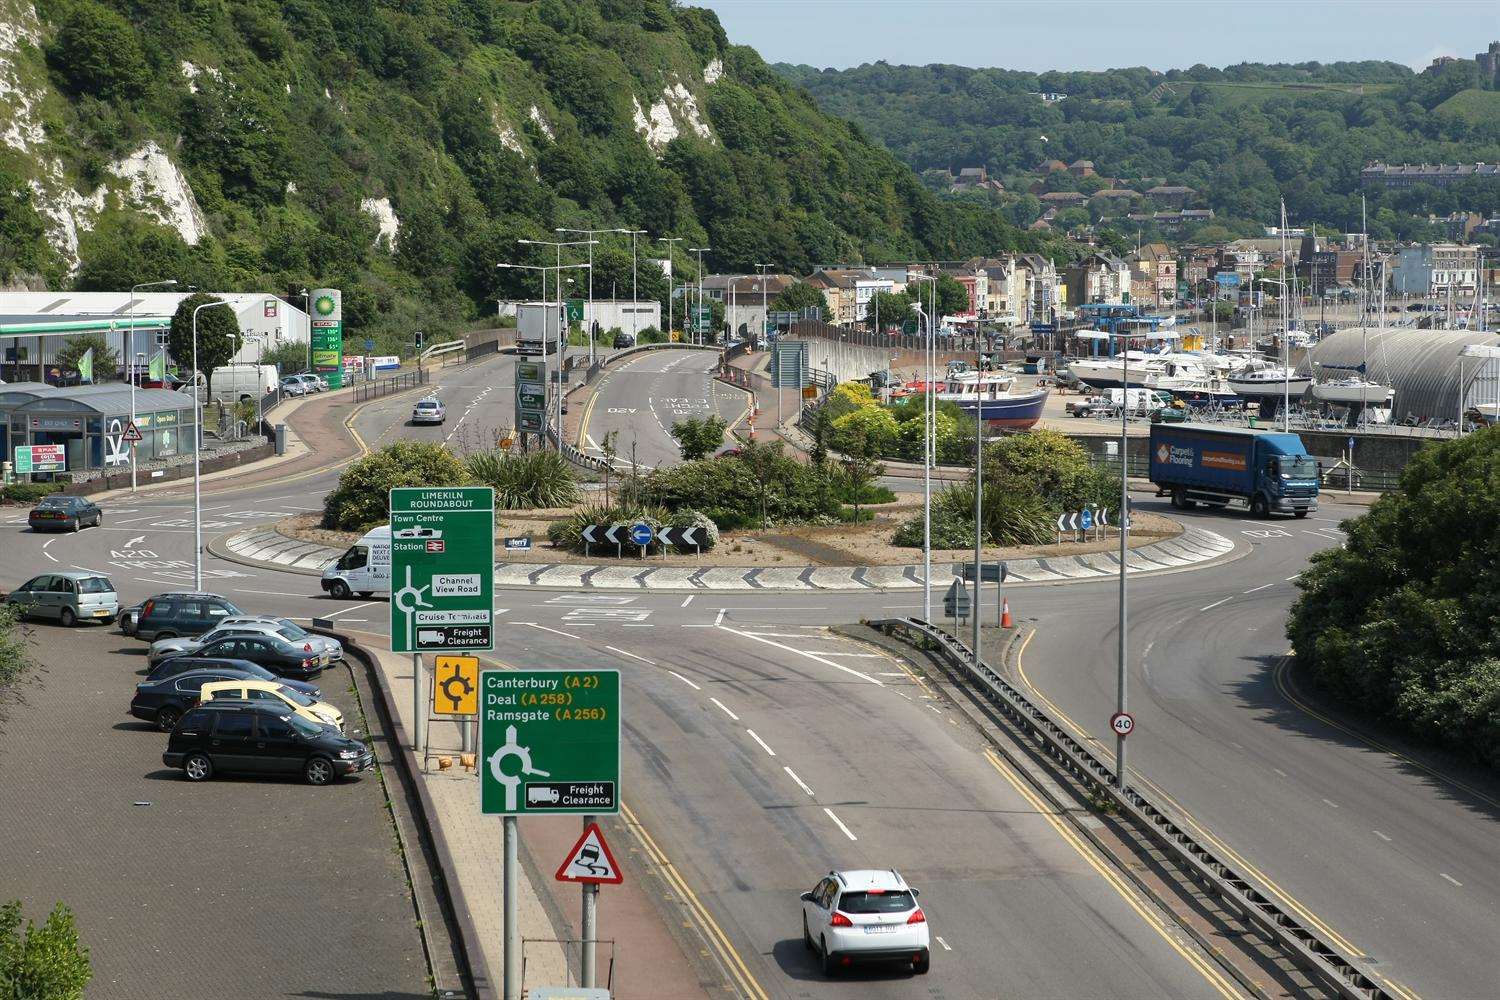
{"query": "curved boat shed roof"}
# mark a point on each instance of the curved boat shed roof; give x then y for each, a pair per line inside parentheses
(1421, 365)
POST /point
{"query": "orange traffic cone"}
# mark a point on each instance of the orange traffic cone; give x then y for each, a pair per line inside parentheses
(1005, 621)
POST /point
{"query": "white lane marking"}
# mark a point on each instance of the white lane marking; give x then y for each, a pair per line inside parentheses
(1292, 577)
(684, 680)
(724, 707)
(216, 507)
(939, 711)
(940, 941)
(277, 593)
(1450, 878)
(49, 541)
(763, 744)
(1263, 586)
(687, 600)
(847, 832)
(637, 625)
(1381, 836)
(127, 520)
(1331, 803)
(720, 619)
(892, 673)
(352, 607)
(132, 542)
(862, 656)
(634, 656)
(811, 656)
(1215, 604)
(1279, 771)
(544, 628)
(49, 555)
(800, 783)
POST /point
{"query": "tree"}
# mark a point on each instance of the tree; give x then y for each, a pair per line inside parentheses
(699, 437)
(97, 53)
(952, 297)
(891, 307)
(125, 249)
(800, 295)
(360, 501)
(764, 462)
(288, 358)
(870, 427)
(23, 237)
(47, 962)
(861, 467)
(218, 332)
(106, 358)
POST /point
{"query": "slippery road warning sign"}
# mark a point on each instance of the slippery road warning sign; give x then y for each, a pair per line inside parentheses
(590, 860)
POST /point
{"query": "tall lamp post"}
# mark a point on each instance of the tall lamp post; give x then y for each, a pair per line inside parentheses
(635, 314)
(197, 450)
(591, 234)
(546, 307)
(928, 447)
(669, 240)
(1121, 680)
(765, 308)
(700, 251)
(130, 352)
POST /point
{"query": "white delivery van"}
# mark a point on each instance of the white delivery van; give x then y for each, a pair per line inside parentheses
(365, 569)
(232, 383)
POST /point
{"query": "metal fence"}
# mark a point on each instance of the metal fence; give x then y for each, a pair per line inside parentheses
(387, 386)
(1308, 947)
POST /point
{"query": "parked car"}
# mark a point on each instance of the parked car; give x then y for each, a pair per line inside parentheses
(429, 410)
(167, 616)
(68, 597)
(311, 382)
(165, 699)
(182, 664)
(128, 617)
(260, 739)
(291, 385)
(247, 689)
(62, 513)
(865, 916)
(272, 652)
(285, 628)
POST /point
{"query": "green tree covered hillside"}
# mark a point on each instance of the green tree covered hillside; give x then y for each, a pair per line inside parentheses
(1241, 137)
(479, 121)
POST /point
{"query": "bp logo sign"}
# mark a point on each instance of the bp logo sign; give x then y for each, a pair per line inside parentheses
(324, 305)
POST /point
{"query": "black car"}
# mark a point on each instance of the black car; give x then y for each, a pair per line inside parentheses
(164, 701)
(167, 669)
(257, 738)
(60, 513)
(168, 616)
(298, 661)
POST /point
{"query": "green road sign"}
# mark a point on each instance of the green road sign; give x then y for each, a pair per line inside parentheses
(442, 568)
(575, 310)
(549, 742)
(531, 396)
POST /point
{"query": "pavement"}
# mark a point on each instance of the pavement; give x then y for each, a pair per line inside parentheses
(1195, 547)
(239, 886)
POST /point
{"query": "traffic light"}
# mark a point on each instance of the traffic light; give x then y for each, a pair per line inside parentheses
(419, 340)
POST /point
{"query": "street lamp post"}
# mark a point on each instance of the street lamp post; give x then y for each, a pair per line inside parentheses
(546, 309)
(765, 308)
(130, 350)
(699, 251)
(1121, 682)
(197, 450)
(590, 234)
(635, 314)
(928, 446)
(669, 240)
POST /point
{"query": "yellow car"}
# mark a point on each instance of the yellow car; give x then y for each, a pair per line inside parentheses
(319, 712)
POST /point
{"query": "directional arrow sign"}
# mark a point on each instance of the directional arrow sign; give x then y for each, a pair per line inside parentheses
(1103, 517)
(590, 860)
(641, 533)
(1073, 521)
(1062, 522)
(594, 534)
(1088, 520)
(617, 533)
(681, 537)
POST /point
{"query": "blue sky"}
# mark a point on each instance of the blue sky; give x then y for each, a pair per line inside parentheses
(1083, 34)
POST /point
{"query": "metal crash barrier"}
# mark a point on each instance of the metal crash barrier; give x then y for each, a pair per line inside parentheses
(1304, 946)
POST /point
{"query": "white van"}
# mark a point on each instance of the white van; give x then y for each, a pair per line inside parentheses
(365, 569)
(232, 383)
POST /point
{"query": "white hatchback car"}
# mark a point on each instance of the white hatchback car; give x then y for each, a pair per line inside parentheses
(865, 916)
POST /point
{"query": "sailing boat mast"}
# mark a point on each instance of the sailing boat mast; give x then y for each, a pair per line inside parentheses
(1286, 349)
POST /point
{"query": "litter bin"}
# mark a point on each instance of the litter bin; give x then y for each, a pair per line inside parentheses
(281, 439)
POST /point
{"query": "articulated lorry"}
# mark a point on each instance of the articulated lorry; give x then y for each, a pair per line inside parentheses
(1202, 463)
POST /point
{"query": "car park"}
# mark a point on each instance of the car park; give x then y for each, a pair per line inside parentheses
(272, 652)
(292, 386)
(429, 410)
(64, 513)
(183, 664)
(284, 628)
(249, 689)
(867, 915)
(190, 613)
(245, 737)
(164, 700)
(67, 598)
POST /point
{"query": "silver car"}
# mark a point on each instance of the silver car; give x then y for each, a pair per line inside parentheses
(282, 628)
(311, 382)
(68, 597)
(429, 411)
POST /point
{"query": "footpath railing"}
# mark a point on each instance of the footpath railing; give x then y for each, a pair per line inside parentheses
(1305, 946)
(387, 386)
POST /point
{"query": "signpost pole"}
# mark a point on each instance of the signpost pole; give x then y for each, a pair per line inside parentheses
(418, 707)
(589, 928)
(999, 591)
(511, 906)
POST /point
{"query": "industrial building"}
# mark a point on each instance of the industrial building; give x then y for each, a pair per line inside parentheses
(1427, 368)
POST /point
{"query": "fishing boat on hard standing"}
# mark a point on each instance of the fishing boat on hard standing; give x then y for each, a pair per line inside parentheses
(1268, 381)
(987, 395)
(1352, 389)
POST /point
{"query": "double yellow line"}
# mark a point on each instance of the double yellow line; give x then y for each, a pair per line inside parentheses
(743, 979)
(1204, 967)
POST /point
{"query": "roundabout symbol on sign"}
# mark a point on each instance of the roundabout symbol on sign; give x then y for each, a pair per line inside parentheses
(1123, 723)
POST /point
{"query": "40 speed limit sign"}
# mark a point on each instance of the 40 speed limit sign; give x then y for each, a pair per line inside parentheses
(1123, 723)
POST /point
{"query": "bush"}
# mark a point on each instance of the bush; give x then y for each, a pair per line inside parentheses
(98, 54)
(732, 491)
(47, 962)
(1010, 518)
(27, 493)
(1398, 623)
(362, 498)
(1052, 467)
(15, 654)
(526, 481)
(289, 359)
(846, 398)
(871, 425)
(567, 533)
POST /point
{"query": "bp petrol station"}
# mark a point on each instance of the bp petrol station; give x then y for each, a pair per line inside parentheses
(548, 740)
